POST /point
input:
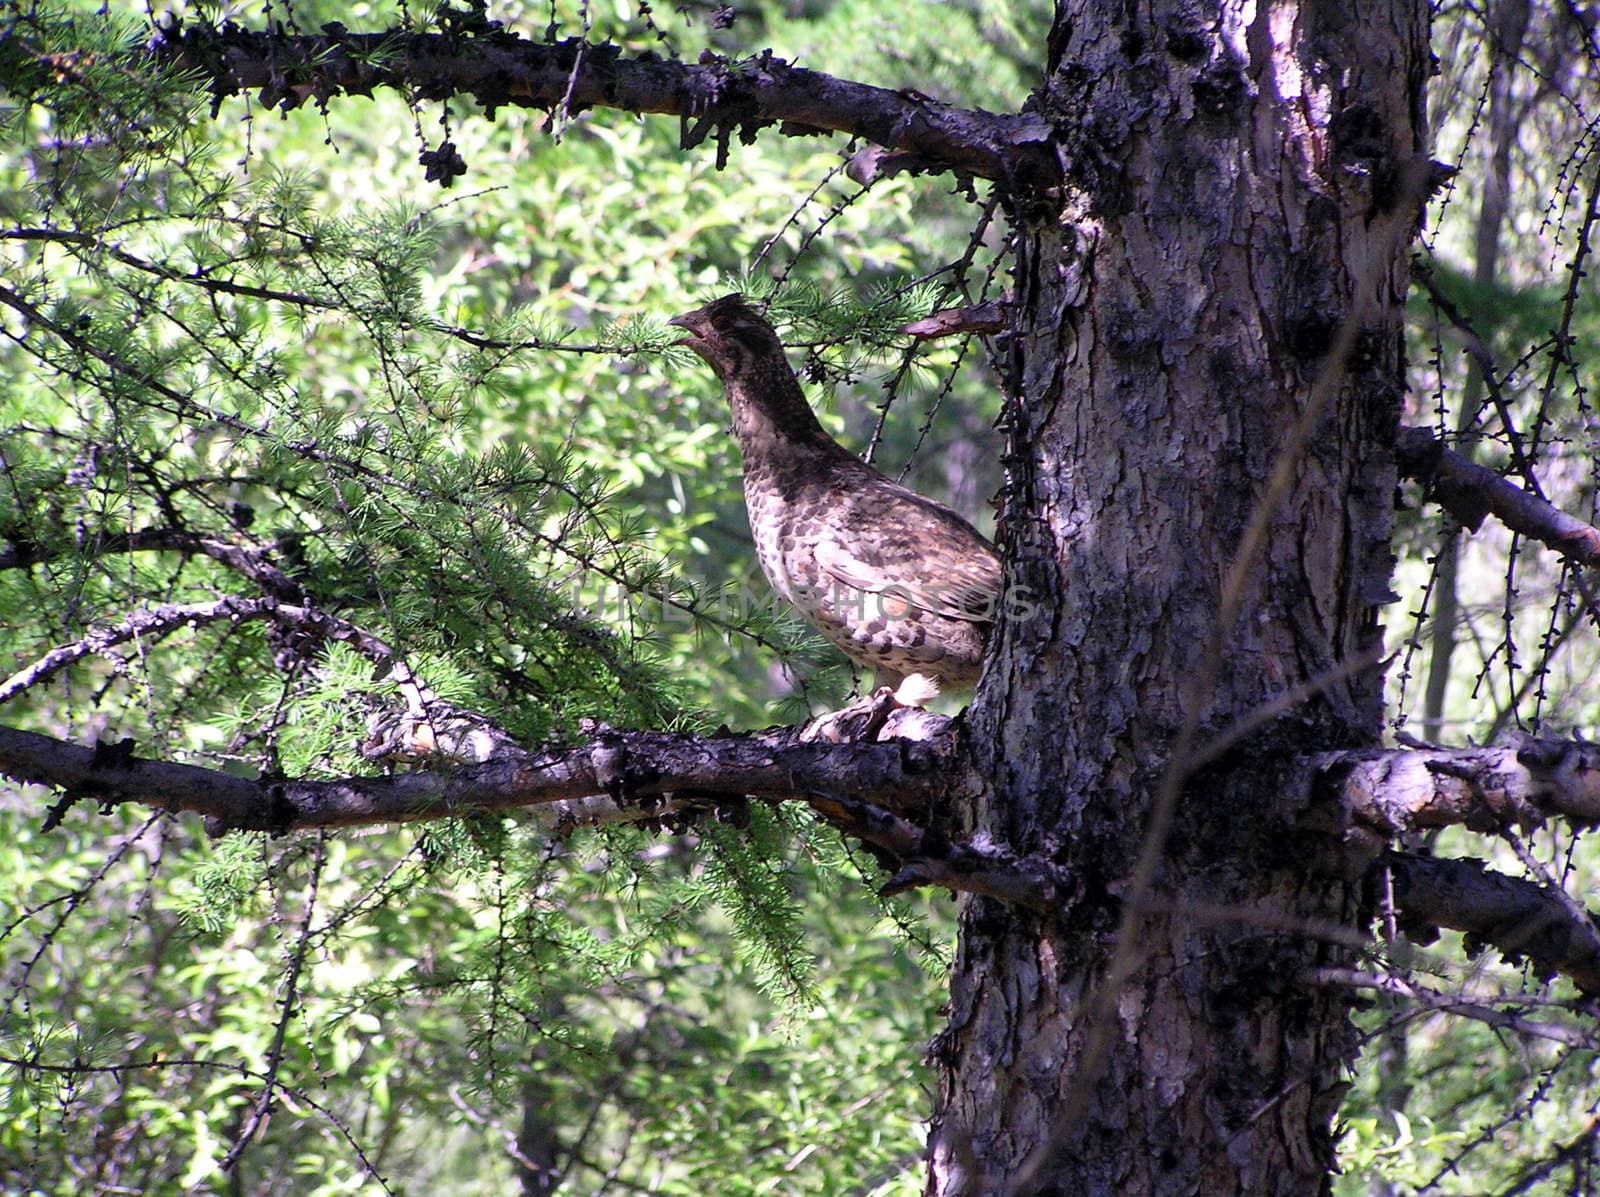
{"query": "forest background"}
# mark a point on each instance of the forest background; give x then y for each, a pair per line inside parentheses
(459, 417)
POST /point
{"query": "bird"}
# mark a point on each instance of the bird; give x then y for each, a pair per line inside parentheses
(901, 584)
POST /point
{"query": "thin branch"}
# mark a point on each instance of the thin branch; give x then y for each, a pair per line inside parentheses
(288, 1010)
(1574, 1151)
(1469, 492)
(421, 702)
(249, 561)
(1446, 1003)
(1483, 357)
(155, 623)
(78, 1069)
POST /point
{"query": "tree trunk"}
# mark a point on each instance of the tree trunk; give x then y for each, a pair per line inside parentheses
(1210, 350)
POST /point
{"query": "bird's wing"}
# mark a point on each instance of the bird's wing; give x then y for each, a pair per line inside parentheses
(893, 542)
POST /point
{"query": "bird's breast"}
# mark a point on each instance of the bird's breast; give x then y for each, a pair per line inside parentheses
(786, 521)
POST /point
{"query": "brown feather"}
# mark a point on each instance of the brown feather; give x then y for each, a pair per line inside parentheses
(900, 583)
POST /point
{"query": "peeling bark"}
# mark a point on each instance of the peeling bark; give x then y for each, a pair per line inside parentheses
(1388, 792)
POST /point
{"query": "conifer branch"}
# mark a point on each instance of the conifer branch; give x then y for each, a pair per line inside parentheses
(715, 97)
(1469, 492)
(614, 777)
(249, 561)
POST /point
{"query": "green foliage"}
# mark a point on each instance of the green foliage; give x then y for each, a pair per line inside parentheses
(459, 424)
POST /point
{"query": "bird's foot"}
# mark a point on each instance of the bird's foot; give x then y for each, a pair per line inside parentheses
(888, 713)
(860, 720)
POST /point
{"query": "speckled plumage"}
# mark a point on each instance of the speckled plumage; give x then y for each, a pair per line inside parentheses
(898, 582)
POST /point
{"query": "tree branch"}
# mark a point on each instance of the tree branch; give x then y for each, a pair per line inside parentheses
(921, 857)
(1520, 918)
(715, 96)
(1479, 1009)
(1390, 791)
(247, 560)
(1469, 492)
(156, 622)
(617, 776)
(1381, 794)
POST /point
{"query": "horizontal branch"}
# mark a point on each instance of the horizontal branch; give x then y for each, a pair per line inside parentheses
(715, 96)
(615, 776)
(249, 561)
(1522, 919)
(1381, 794)
(1389, 791)
(1469, 492)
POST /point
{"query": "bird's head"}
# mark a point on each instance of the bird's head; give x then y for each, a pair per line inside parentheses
(768, 405)
(731, 335)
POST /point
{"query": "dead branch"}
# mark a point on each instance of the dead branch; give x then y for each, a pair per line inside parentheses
(1520, 918)
(420, 702)
(922, 857)
(983, 318)
(1389, 791)
(714, 97)
(1469, 492)
(616, 776)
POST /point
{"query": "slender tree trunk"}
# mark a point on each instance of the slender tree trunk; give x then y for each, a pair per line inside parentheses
(539, 1168)
(1218, 299)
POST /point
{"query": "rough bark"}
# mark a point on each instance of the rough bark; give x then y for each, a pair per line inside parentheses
(1504, 785)
(716, 97)
(618, 776)
(1525, 921)
(1207, 373)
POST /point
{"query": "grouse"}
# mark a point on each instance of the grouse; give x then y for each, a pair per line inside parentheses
(898, 582)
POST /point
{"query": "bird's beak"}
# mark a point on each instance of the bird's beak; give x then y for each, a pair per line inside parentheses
(687, 321)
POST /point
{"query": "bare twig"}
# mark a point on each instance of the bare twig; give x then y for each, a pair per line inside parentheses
(1469, 492)
(1447, 1003)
